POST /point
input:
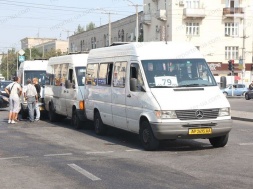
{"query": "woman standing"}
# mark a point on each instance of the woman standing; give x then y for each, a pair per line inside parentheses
(14, 91)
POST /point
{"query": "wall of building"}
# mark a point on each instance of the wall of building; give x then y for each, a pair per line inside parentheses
(121, 30)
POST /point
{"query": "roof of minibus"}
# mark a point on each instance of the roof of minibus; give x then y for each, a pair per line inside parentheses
(34, 64)
(149, 51)
(76, 59)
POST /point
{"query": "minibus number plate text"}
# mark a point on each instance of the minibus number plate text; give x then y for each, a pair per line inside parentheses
(200, 131)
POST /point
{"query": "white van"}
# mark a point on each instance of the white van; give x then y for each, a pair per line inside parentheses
(64, 89)
(158, 90)
(28, 70)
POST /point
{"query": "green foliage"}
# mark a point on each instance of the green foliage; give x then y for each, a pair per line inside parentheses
(90, 26)
(79, 29)
(10, 60)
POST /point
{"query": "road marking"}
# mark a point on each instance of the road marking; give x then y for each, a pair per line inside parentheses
(133, 150)
(245, 144)
(84, 172)
(99, 152)
(20, 157)
(67, 154)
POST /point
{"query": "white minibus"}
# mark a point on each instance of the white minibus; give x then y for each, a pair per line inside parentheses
(159, 90)
(64, 89)
(28, 70)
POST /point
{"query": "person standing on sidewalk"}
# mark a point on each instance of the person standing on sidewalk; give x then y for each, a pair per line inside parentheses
(31, 97)
(38, 88)
(14, 91)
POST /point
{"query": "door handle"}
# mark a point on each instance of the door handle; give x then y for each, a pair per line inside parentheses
(129, 96)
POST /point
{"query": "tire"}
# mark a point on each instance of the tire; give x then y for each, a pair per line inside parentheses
(100, 128)
(75, 120)
(147, 138)
(247, 96)
(53, 117)
(218, 142)
(243, 94)
(225, 94)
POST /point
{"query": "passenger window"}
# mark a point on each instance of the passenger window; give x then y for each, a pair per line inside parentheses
(92, 74)
(70, 76)
(135, 72)
(119, 74)
(105, 74)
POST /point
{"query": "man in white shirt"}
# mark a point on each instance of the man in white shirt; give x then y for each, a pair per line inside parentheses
(31, 96)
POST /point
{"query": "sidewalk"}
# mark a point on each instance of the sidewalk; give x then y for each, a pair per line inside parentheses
(241, 115)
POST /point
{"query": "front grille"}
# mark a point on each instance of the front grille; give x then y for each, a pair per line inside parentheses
(197, 114)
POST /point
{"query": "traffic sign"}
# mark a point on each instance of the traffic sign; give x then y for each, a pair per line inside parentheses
(21, 52)
(21, 58)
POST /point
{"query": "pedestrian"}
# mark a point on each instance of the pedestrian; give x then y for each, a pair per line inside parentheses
(38, 88)
(251, 86)
(31, 97)
(14, 91)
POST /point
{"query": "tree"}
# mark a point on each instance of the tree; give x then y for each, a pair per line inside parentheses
(80, 29)
(90, 26)
(35, 54)
(53, 53)
(10, 60)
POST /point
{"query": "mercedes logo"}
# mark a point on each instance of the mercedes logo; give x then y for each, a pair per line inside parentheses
(199, 114)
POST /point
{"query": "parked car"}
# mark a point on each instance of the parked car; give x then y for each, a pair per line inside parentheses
(238, 90)
(4, 101)
(249, 95)
(4, 84)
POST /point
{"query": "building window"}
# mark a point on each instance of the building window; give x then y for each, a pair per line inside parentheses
(194, 4)
(192, 28)
(231, 53)
(231, 29)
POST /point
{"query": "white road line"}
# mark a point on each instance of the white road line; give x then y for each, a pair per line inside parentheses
(99, 152)
(67, 154)
(84, 172)
(20, 157)
(245, 144)
(133, 150)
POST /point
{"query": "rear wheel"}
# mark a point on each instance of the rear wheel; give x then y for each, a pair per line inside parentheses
(217, 142)
(100, 128)
(148, 140)
(51, 114)
(75, 120)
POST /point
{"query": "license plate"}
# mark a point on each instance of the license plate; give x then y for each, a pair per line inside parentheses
(200, 131)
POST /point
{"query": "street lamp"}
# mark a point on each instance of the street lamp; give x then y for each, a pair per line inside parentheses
(137, 19)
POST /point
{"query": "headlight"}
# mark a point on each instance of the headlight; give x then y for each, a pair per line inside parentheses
(5, 98)
(224, 112)
(169, 114)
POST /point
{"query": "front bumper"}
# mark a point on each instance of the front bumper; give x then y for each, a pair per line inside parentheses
(180, 130)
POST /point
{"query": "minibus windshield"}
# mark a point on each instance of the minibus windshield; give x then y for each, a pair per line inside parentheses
(41, 75)
(178, 73)
(80, 75)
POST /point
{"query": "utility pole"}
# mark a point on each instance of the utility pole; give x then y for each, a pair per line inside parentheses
(110, 28)
(243, 46)
(68, 37)
(137, 19)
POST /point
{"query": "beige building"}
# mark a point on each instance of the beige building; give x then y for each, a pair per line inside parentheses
(220, 29)
(45, 45)
(123, 30)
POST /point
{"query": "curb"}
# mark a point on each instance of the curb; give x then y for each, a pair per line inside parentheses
(242, 119)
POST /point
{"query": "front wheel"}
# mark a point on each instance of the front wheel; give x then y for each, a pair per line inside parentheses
(100, 128)
(217, 142)
(147, 138)
(24, 113)
(247, 96)
(51, 114)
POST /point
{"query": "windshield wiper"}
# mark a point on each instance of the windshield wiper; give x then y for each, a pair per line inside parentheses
(194, 85)
(164, 86)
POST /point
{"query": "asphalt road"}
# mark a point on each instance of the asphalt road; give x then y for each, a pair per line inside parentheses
(46, 155)
(241, 104)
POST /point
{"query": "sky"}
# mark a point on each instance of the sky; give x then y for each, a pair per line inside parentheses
(56, 18)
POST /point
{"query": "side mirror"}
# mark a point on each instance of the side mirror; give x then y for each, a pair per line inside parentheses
(68, 84)
(133, 84)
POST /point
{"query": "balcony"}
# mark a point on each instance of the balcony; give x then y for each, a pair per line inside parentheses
(161, 15)
(233, 12)
(194, 13)
(146, 18)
